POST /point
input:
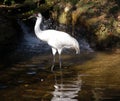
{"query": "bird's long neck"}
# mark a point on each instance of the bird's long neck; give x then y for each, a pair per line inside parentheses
(37, 26)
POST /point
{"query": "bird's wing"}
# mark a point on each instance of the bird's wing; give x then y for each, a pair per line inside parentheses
(58, 39)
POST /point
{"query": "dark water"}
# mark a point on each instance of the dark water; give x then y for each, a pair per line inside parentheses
(26, 76)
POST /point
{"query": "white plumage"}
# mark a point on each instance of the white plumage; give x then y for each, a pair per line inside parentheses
(58, 40)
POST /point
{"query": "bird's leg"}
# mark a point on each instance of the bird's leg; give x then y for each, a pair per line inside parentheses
(53, 64)
(53, 52)
(60, 61)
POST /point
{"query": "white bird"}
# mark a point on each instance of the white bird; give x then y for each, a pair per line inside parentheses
(58, 40)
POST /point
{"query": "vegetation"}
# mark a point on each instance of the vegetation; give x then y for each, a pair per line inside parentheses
(100, 18)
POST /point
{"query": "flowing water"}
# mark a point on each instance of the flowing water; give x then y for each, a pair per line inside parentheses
(25, 73)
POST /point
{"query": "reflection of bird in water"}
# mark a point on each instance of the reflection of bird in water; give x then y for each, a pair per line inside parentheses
(58, 40)
(66, 89)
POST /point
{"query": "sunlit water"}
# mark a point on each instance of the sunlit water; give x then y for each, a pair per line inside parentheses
(26, 75)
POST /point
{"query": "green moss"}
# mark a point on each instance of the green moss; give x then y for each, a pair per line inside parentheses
(116, 25)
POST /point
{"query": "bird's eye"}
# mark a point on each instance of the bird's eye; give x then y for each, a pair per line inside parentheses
(36, 14)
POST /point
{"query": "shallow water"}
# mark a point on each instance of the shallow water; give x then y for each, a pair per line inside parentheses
(32, 80)
(25, 74)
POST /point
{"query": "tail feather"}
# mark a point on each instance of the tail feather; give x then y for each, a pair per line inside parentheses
(76, 46)
(77, 49)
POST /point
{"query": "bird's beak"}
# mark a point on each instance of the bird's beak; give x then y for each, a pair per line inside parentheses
(32, 16)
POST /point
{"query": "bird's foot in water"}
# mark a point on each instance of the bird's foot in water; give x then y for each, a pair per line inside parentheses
(52, 68)
(58, 67)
